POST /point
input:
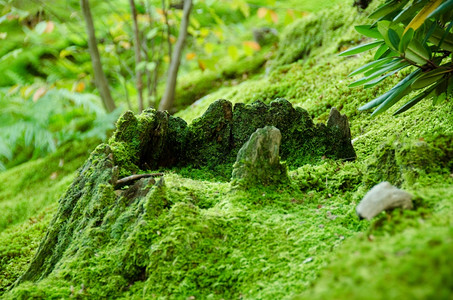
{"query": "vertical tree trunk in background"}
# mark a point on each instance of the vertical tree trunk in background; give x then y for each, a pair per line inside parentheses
(99, 76)
(138, 57)
(164, 9)
(169, 96)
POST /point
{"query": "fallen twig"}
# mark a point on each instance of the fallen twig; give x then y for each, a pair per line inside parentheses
(126, 180)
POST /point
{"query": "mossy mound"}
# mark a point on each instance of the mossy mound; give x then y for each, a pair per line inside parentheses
(325, 30)
(403, 161)
(194, 87)
(96, 216)
(28, 200)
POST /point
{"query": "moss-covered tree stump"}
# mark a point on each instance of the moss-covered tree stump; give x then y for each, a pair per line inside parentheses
(97, 216)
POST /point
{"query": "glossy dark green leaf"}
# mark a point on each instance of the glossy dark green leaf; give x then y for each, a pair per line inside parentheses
(393, 38)
(389, 66)
(450, 87)
(379, 79)
(431, 29)
(402, 84)
(409, 12)
(414, 101)
(399, 91)
(429, 78)
(361, 48)
(440, 35)
(440, 98)
(370, 65)
(417, 53)
(382, 52)
(447, 6)
(386, 9)
(405, 40)
(423, 14)
(390, 33)
(441, 86)
(393, 65)
(368, 31)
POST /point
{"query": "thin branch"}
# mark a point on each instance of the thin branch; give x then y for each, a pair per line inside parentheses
(126, 180)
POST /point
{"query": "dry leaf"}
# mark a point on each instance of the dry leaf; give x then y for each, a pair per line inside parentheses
(262, 11)
(201, 65)
(39, 93)
(274, 16)
(190, 56)
(79, 87)
(254, 45)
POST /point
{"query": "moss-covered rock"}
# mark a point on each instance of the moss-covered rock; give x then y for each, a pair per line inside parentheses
(258, 161)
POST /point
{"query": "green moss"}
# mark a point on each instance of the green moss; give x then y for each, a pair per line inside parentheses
(405, 161)
(18, 244)
(326, 31)
(194, 236)
(411, 262)
(172, 242)
(209, 136)
(195, 86)
(26, 189)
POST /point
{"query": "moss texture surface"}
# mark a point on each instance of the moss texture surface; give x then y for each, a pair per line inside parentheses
(191, 235)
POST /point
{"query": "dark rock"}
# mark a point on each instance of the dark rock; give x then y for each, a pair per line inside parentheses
(339, 122)
(361, 4)
(247, 119)
(258, 161)
(161, 139)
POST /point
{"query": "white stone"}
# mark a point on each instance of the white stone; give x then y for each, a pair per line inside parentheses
(383, 196)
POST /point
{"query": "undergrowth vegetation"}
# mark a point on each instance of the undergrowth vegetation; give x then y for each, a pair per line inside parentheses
(195, 237)
(35, 121)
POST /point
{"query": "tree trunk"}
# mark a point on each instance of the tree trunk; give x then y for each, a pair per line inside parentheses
(168, 98)
(164, 9)
(138, 57)
(99, 77)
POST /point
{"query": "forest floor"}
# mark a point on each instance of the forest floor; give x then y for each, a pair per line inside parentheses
(302, 240)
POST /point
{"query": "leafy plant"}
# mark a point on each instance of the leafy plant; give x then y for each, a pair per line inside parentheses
(35, 120)
(408, 34)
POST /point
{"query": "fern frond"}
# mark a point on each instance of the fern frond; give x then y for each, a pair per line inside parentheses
(15, 77)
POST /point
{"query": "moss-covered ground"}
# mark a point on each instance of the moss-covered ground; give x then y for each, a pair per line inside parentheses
(302, 240)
